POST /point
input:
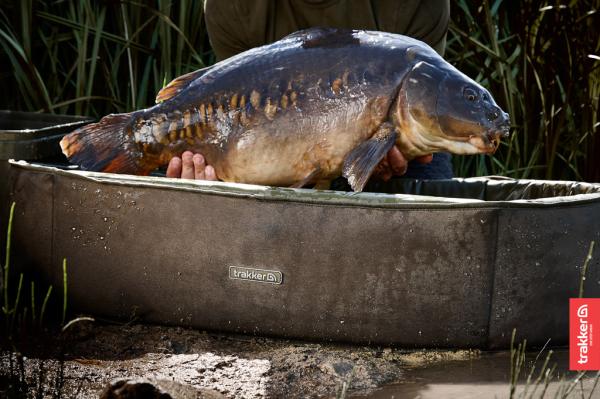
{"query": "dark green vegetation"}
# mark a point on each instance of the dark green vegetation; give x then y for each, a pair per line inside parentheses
(12, 380)
(540, 59)
(24, 304)
(97, 57)
(29, 320)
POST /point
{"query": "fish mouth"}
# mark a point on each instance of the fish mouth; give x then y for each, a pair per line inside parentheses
(494, 140)
(495, 135)
(489, 141)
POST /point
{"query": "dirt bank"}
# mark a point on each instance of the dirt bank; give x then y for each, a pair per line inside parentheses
(235, 366)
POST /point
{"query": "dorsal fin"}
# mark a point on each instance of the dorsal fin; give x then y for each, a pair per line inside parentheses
(325, 37)
(178, 84)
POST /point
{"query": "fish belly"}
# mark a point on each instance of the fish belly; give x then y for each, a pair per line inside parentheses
(286, 151)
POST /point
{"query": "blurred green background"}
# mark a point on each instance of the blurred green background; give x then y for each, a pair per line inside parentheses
(540, 59)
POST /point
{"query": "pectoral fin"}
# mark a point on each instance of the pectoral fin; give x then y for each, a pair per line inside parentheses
(361, 162)
(311, 177)
(323, 184)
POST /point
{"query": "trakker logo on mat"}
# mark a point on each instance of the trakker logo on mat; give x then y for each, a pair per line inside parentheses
(260, 275)
(584, 346)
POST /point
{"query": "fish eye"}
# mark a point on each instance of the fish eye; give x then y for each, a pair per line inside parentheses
(470, 94)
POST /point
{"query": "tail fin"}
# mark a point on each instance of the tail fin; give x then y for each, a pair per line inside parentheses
(106, 146)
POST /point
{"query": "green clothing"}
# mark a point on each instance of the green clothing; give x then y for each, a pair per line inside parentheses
(238, 25)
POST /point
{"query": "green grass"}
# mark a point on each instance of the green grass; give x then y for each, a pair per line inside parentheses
(541, 61)
(19, 310)
(537, 386)
(586, 263)
(20, 320)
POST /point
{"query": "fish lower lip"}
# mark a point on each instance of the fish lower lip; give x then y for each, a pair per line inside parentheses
(494, 139)
(496, 143)
(486, 143)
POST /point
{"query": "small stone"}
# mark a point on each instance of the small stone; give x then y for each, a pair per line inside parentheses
(159, 389)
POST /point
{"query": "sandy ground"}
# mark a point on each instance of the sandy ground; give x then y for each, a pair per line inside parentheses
(188, 363)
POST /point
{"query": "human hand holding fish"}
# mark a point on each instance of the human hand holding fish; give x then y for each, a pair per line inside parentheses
(190, 166)
(193, 166)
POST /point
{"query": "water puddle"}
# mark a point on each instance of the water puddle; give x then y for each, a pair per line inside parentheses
(487, 377)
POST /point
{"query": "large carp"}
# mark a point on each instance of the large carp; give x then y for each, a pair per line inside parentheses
(315, 105)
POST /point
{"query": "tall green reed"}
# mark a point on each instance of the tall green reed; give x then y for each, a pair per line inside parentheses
(540, 60)
(96, 57)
